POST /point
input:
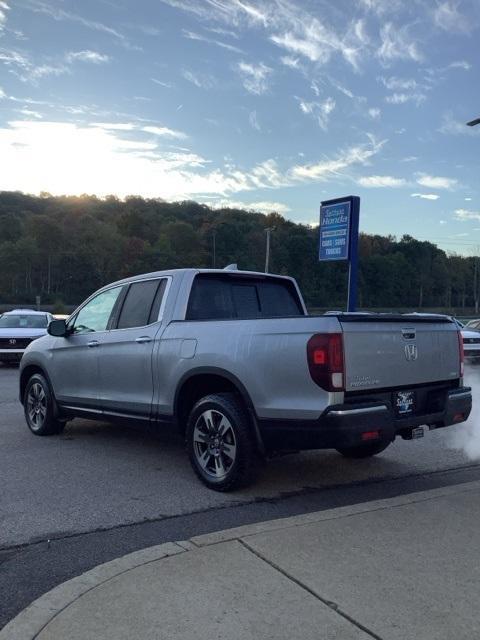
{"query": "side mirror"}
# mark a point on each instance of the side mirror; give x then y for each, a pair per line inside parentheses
(57, 328)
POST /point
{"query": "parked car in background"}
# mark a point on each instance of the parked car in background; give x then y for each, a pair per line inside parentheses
(471, 341)
(18, 328)
(473, 324)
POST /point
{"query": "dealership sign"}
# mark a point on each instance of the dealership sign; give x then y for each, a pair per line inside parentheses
(339, 237)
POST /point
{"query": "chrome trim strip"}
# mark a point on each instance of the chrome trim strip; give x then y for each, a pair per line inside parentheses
(353, 412)
(65, 406)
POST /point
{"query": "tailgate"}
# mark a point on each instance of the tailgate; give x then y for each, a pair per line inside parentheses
(396, 351)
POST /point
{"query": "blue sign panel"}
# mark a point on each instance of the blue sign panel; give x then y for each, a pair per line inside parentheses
(335, 226)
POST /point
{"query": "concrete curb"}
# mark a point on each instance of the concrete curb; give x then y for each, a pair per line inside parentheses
(30, 622)
(330, 514)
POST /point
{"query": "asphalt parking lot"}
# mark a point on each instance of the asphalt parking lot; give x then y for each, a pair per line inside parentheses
(69, 502)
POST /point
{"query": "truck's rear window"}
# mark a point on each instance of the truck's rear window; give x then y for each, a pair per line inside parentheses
(218, 297)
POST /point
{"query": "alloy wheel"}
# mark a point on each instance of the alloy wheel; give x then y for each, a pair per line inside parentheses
(214, 443)
(36, 405)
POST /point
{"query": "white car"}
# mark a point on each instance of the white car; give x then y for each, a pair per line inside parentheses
(471, 342)
(18, 328)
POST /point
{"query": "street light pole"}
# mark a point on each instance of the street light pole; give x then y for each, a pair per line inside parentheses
(268, 231)
(214, 249)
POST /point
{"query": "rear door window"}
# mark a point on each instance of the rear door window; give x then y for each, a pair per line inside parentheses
(229, 297)
(142, 301)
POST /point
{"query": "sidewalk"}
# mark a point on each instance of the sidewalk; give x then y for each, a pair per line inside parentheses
(401, 568)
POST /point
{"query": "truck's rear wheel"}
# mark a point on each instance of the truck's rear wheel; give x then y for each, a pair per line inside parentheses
(219, 442)
(364, 450)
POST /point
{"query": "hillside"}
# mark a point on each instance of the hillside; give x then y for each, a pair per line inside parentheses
(63, 248)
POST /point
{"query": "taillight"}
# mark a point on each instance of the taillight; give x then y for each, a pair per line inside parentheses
(325, 361)
(461, 352)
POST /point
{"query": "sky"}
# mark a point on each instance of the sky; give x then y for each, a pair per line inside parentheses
(270, 105)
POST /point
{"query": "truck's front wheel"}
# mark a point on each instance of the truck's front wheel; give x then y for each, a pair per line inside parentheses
(364, 450)
(219, 441)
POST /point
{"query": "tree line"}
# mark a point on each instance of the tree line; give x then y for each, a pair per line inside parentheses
(63, 248)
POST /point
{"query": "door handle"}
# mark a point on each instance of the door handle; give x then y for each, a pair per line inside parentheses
(93, 343)
(143, 339)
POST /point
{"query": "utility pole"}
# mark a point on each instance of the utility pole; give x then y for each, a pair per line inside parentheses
(268, 231)
(473, 123)
(214, 235)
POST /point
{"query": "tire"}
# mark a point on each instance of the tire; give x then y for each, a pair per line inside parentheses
(220, 443)
(39, 407)
(364, 450)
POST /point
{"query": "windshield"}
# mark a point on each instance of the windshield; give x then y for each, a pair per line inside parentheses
(23, 321)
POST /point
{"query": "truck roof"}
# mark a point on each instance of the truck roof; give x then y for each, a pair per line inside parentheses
(171, 272)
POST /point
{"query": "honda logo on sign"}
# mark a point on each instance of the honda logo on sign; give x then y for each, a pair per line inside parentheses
(12, 341)
(411, 352)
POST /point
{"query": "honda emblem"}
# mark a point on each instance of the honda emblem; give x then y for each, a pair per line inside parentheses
(12, 341)
(411, 352)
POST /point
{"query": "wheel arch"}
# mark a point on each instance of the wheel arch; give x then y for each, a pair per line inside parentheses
(203, 381)
(25, 375)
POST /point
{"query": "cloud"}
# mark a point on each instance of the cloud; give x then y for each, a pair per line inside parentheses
(467, 199)
(465, 215)
(325, 169)
(10, 57)
(447, 17)
(381, 6)
(167, 85)
(460, 64)
(263, 206)
(3, 95)
(381, 181)
(426, 196)
(288, 25)
(436, 182)
(103, 161)
(29, 113)
(319, 110)
(200, 80)
(402, 98)
(302, 34)
(29, 71)
(442, 222)
(397, 45)
(165, 132)
(255, 77)
(3, 14)
(374, 113)
(190, 35)
(394, 84)
(290, 61)
(87, 56)
(60, 15)
(253, 120)
(35, 73)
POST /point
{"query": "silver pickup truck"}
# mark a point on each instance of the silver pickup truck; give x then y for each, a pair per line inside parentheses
(235, 361)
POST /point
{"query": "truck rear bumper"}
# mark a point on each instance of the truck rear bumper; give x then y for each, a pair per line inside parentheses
(349, 425)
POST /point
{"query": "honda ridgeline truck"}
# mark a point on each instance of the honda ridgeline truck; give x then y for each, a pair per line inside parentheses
(233, 358)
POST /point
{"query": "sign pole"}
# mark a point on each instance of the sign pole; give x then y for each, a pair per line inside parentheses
(339, 238)
(353, 268)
